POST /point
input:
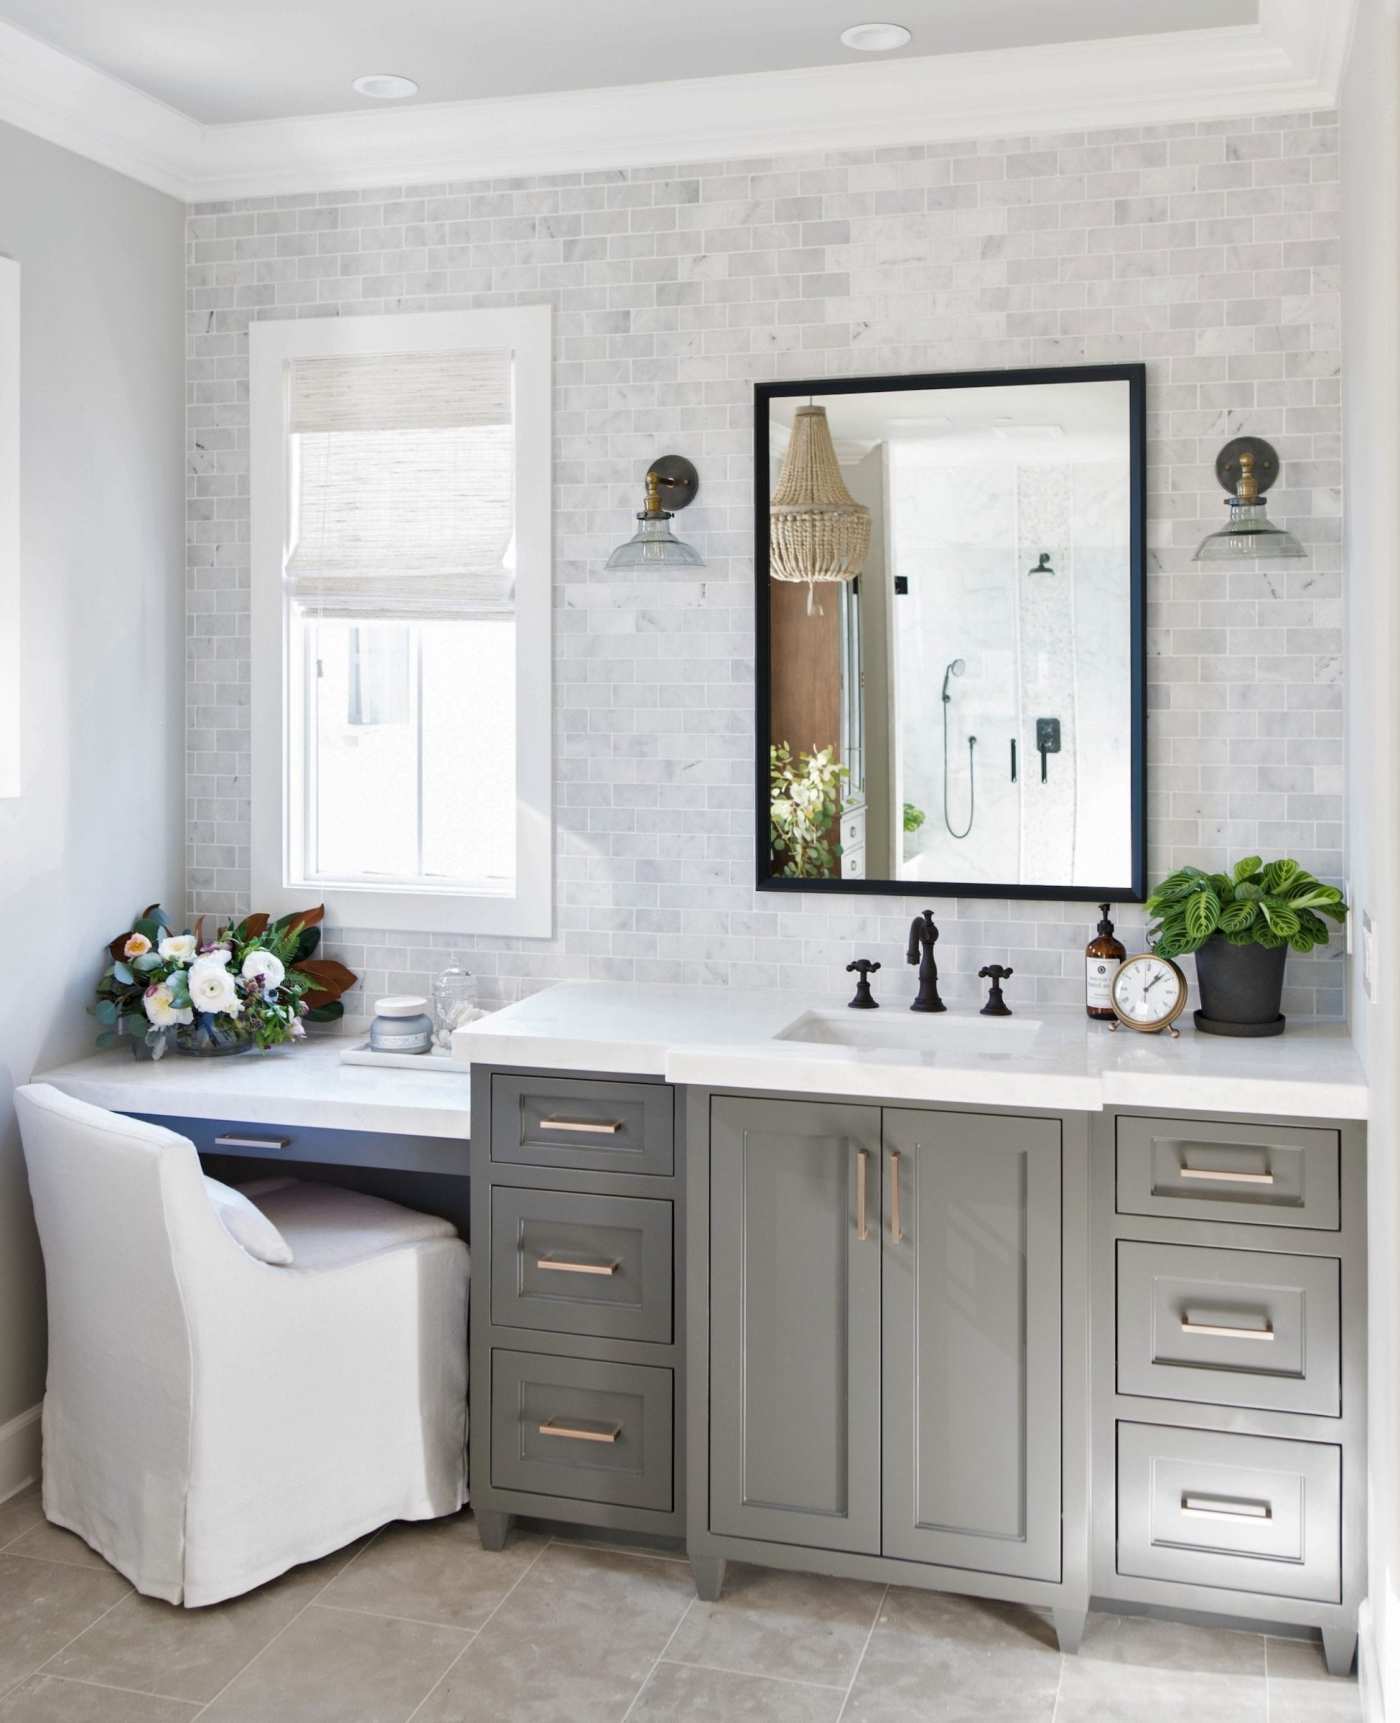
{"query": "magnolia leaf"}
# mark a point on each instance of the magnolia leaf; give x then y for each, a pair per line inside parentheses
(329, 979)
(302, 917)
(1250, 865)
(331, 1013)
(153, 912)
(252, 926)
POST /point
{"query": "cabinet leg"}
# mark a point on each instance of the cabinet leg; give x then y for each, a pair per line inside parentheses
(493, 1527)
(708, 1572)
(1069, 1629)
(1338, 1649)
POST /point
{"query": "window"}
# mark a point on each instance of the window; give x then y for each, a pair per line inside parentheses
(401, 593)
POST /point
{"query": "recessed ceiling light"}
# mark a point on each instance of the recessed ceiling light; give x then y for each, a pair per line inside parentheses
(385, 86)
(876, 38)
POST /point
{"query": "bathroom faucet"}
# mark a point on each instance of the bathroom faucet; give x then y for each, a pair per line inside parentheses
(923, 936)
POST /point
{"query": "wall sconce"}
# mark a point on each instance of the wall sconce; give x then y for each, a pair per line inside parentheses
(1246, 468)
(654, 545)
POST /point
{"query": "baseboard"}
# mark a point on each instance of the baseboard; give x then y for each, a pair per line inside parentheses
(19, 1452)
(1372, 1699)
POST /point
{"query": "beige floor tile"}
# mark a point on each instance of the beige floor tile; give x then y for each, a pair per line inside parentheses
(334, 1667)
(19, 1513)
(158, 1647)
(1134, 1669)
(941, 1659)
(52, 1543)
(575, 1639)
(681, 1693)
(803, 1627)
(436, 1572)
(44, 1604)
(47, 1699)
(1301, 1690)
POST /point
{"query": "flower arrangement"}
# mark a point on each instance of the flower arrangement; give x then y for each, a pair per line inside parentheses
(256, 984)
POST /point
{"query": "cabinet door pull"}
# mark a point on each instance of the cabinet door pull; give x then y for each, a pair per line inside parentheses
(1215, 1175)
(591, 1127)
(1224, 1331)
(558, 1267)
(862, 1193)
(232, 1142)
(1222, 1508)
(896, 1229)
(572, 1433)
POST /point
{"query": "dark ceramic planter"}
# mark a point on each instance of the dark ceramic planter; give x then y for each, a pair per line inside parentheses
(1241, 988)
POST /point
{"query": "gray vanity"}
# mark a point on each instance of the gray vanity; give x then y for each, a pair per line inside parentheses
(1036, 1353)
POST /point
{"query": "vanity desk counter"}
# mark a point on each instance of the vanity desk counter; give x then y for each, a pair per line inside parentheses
(1041, 1056)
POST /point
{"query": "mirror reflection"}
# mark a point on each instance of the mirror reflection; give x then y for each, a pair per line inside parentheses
(952, 593)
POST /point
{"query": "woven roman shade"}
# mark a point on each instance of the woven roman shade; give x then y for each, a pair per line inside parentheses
(403, 469)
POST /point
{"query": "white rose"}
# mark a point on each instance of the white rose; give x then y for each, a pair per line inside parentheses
(178, 948)
(212, 988)
(263, 970)
(216, 954)
(160, 1007)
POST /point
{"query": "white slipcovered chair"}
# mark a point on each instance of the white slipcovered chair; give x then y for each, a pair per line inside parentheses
(211, 1420)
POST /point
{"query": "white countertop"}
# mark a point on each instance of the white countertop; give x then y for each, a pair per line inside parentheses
(727, 1039)
(300, 1085)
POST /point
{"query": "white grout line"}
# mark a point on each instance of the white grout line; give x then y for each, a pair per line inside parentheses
(753, 1674)
(670, 1641)
(62, 1648)
(48, 1674)
(529, 1568)
(851, 1684)
(290, 1622)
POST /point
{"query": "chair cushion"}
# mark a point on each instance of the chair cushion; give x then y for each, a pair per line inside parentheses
(247, 1224)
(327, 1227)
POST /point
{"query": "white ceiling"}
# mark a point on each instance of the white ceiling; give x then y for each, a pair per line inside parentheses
(221, 61)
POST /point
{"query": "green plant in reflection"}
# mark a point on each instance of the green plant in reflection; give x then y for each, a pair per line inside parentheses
(804, 799)
(913, 817)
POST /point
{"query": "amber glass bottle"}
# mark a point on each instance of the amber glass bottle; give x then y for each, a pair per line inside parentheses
(1102, 955)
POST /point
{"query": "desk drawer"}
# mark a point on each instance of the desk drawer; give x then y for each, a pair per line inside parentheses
(1246, 1513)
(1230, 1327)
(583, 1125)
(575, 1264)
(582, 1429)
(1248, 1175)
(402, 1153)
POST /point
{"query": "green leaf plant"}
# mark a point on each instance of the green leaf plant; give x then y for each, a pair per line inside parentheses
(1269, 904)
(804, 798)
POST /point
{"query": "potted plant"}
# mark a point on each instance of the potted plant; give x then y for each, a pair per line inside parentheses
(804, 801)
(256, 984)
(1241, 926)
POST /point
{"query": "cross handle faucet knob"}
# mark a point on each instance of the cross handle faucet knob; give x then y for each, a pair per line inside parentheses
(864, 999)
(996, 1006)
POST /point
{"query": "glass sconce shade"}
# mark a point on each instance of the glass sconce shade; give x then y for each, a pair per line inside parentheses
(1248, 532)
(654, 545)
(1245, 467)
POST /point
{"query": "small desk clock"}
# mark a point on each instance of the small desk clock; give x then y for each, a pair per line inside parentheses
(1148, 994)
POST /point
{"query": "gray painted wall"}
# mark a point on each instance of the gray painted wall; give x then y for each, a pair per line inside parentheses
(98, 830)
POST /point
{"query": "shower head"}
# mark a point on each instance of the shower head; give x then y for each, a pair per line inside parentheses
(955, 668)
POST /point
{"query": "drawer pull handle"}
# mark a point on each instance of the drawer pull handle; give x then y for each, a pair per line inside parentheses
(232, 1142)
(1221, 1508)
(896, 1225)
(591, 1127)
(1224, 1331)
(1215, 1175)
(862, 1193)
(572, 1433)
(553, 1263)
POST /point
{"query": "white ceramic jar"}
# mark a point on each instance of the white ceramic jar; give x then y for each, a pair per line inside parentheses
(401, 1025)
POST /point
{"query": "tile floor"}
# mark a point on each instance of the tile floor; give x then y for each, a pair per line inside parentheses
(420, 1623)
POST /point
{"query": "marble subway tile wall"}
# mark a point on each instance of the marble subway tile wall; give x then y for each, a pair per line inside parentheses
(1208, 250)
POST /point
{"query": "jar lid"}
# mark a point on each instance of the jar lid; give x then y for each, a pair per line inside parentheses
(400, 1005)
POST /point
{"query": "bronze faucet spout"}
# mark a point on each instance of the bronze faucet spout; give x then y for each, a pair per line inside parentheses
(923, 936)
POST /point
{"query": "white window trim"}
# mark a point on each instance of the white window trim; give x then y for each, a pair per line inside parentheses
(529, 913)
(10, 709)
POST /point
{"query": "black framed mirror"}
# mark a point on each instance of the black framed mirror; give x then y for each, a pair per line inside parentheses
(951, 634)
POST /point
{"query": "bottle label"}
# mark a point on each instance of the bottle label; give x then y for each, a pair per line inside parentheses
(1098, 982)
(418, 1041)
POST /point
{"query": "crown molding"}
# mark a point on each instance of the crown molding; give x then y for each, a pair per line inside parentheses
(1292, 60)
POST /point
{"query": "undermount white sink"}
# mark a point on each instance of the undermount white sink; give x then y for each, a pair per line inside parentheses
(922, 1035)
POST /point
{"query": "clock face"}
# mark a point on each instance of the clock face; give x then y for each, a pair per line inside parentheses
(1148, 992)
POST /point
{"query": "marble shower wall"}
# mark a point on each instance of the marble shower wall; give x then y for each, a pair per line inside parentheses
(1208, 250)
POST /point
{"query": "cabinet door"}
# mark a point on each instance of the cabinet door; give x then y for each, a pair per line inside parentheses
(971, 1362)
(795, 1323)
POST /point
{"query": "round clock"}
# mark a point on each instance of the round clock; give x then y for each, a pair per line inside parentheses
(1148, 994)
